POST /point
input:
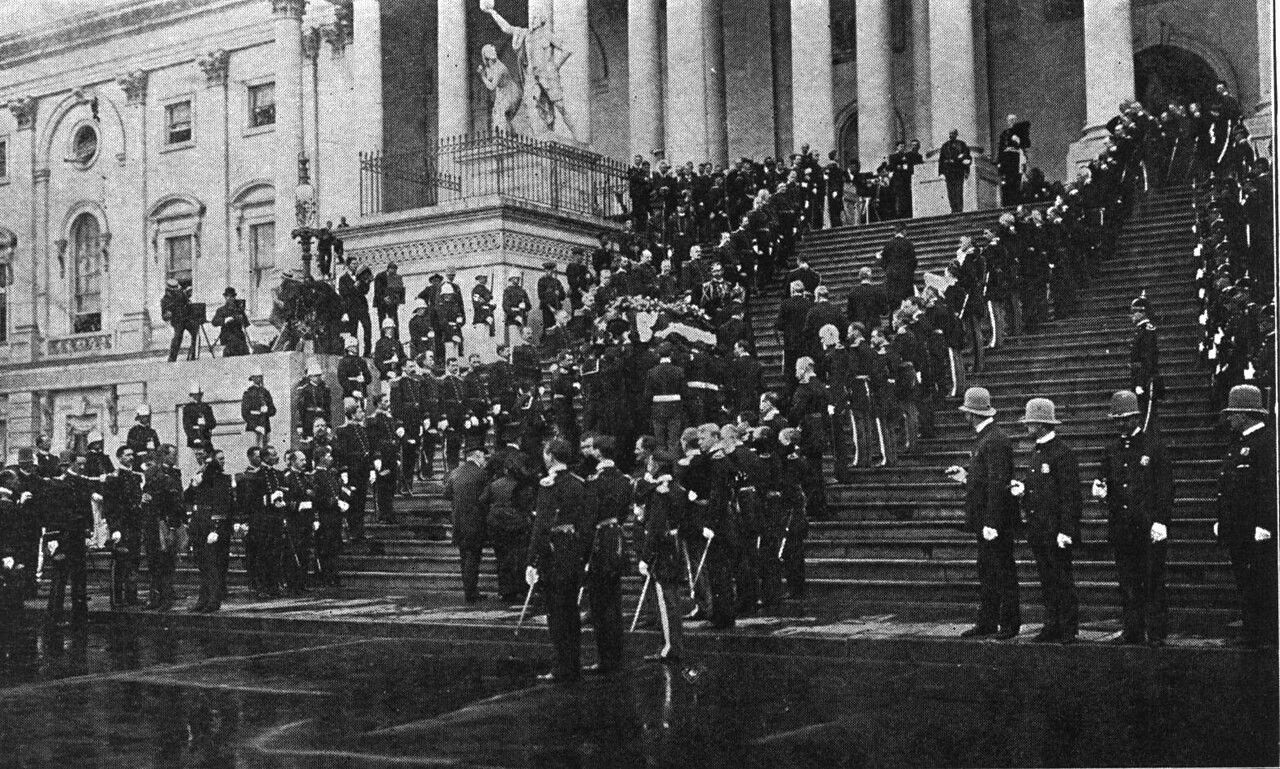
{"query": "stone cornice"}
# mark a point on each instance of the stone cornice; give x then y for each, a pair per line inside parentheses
(288, 9)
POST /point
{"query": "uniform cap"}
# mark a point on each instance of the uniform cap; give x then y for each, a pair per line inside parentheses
(171, 282)
(255, 374)
(1124, 404)
(231, 292)
(1039, 411)
(1245, 399)
(977, 400)
(194, 388)
(388, 323)
(144, 410)
(313, 368)
(351, 343)
(419, 304)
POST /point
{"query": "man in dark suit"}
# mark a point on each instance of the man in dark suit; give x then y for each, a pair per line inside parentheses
(992, 514)
(353, 288)
(898, 260)
(609, 498)
(954, 162)
(1051, 505)
(824, 312)
(1009, 161)
(834, 176)
(551, 295)
(463, 488)
(792, 314)
(867, 303)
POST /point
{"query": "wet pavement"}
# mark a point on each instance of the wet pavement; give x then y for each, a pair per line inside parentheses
(132, 694)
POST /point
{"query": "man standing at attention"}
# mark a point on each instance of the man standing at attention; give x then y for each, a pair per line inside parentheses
(898, 260)
(954, 162)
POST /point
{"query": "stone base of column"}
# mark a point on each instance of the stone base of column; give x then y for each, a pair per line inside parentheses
(1084, 150)
(1262, 127)
(929, 190)
(134, 332)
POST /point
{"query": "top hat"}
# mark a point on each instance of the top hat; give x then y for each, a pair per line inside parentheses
(1245, 399)
(1039, 411)
(1124, 404)
(977, 400)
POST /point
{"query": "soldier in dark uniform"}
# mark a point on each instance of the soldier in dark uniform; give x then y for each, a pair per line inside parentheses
(790, 325)
(702, 403)
(421, 335)
(482, 304)
(122, 508)
(834, 178)
(810, 411)
(260, 525)
(353, 289)
(198, 422)
(449, 313)
(1137, 486)
(864, 423)
(898, 260)
(352, 451)
(795, 470)
(142, 438)
(354, 377)
(408, 411)
(162, 514)
(867, 302)
(1246, 512)
(970, 271)
(210, 498)
(332, 500)
(515, 304)
(311, 399)
(68, 519)
(388, 353)
(1051, 505)
(954, 162)
(1144, 361)
(561, 531)
(748, 483)
(744, 380)
(608, 503)
(664, 501)
(664, 393)
(551, 295)
(835, 369)
(257, 408)
(902, 168)
(453, 408)
(1009, 160)
(991, 512)
(384, 433)
(478, 400)
(96, 463)
(299, 511)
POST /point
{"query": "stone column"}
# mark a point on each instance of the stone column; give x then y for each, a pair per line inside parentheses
(812, 122)
(453, 101)
(572, 27)
(367, 40)
(24, 339)
(686, 113)
(1261, 125)
(1108, 59)
(644, 76)
(876, 128)
(713, 72)
(288, 126)
(921, 65)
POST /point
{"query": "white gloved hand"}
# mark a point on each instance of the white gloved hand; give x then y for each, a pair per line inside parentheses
(8, 562)
(1260, 534)
(96, 497)
(530, 576)
(260, 430)
(200, 421)
(373, 477)
(399, 432)
(212, 538)
(315, 526)
(957, 474)
(1137, 390)
(1017, 488)
(643, 568)
(831, 410)
(497, 409)
(707, 533)
(443, 424)
(1159, 532)
(24, 497)
(115, 536)
(1215, 528)
(240, 528)
(989, 533)
(53, 547)
(343, 506)
(346, 318)
(693, 495)
(377, 464)
(1063, 540)
(1099, 488)
(304, 505)
(277, 498)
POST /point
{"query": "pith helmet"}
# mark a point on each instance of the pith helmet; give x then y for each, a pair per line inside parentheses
(1124, 404)
(978, 401)
(1245, 399)
(1039, 411)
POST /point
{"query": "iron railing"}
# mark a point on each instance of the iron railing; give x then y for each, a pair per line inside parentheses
(514, 167)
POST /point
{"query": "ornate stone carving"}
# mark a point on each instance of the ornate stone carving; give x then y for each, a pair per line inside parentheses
(80, 344)
(335, 36)
(291, 9)
(443, 249)
(311, 43)
(134, 85)
(24, 111)
(214, 65)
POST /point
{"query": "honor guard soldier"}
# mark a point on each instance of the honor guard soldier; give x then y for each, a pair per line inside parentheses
(449, 313)
(811, 410)
(420, 333)
(835, 369)
(551, 294)
(352, 451)
(662, 500)
(991, 512)
(257, 407)
(332, 500)
(1246, 512)
(388, 353)
(1137, 488)
(453, 409)
(792, 314)
(868, 431)
(259, 525)
(564, 396)
(1144, 360)
(482, 304)
(608, 502)
(385, 434)
(479, 401)
(198, 421)
(299, 502)
(311, 399)
(122, 507)
(432, 433)
(515, 304)
(747, 486)
(1051, 506)
(354, 378)
(794, 469)
(664, 390)
(744, 381)
(210, 497)
(561, 525)
(162, 516)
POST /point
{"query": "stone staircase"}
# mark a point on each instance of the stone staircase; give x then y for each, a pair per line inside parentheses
(897, 532)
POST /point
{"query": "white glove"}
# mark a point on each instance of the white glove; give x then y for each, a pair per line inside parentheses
(497, 409)
(1137, 390)
(1260, 534)
(1099, 488)
(53, 547)
(443, 424)
(708, 533)
(399, 432)
(315, 526)
(373, 477)
(1215, 528)
(344, 478)
(343, 506)
(277, 498)
(212, 538)
(200, 421)
(831, 410)
(693, 495)
(8, 562)
(1159, 532)
(1063, 540)
(989, 533)
(305, 505)
(643, 568)
(957, 474)
(260, 430)
(115, 536)
(1017, 488)
(345, 318)
(377, 464)
(240, 528)
(24, 497)
(530, 576)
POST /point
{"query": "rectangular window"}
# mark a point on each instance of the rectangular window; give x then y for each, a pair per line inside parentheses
(1063, 10)
(178, 259)
(262, 105)
(177, 120)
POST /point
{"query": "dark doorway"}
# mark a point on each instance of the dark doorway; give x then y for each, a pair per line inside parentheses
(1165, 73)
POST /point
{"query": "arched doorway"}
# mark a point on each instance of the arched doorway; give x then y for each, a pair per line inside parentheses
(1165, 73)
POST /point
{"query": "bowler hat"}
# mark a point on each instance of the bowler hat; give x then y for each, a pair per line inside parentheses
(1039, 411)
(1245, 399)
(1124, 404)
(978, 401)
(231, 292)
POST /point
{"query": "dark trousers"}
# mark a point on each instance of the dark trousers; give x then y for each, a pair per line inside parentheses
(359, 498)
(971, 327)
(955, 192)
(841, 427)
(329, 549)
(746, 572)
(604, 597)
(719, 573)
(815, 486)
(1010, 188)
(384, 492)
(1254, 567)
(161, 565)
(997, 584)
(409, 455)
(793, 562)
(296, 558)
(898, 288)
(69, 565)
(209, 561)
(175, 345)
(471, 571)
(564, 625)
(509, 549)
(1140, 569)
(769, 566)
(125, 558)
(668, 422)
(358, 318)
(1058, 590)
(262, 553)
(835, 211)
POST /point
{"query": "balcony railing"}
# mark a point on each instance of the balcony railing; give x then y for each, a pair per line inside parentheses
(515, 167)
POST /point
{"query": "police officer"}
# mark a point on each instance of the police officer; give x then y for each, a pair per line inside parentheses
(515, 304)
(1246, 512)
(388, 353)
(122, 507)
(385, 433)
(257, 408)
(421, 334)
(555, 558)
(1051, 506)
(406, 408)
(332, 500)
(1137, 487)
(198, 422)
(811, 410)
(259, 525)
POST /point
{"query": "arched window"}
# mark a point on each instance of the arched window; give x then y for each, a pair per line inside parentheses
(86, 275)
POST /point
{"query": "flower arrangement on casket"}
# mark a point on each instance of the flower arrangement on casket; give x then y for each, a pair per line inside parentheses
(655, 318)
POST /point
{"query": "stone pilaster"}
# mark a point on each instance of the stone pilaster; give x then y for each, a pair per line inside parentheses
(288, 144)
(813, 122)
(1108, 72)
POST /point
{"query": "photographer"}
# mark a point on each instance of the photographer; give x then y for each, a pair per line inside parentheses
(175, 309)
(232, 321)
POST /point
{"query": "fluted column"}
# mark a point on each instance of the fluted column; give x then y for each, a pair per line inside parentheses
(367, 39)
(951, 71)
(876, 130)
(572, 27)
(1108, 59)
(454, 103)
(695, 113)
(644, 76)
(288, 126)
(713, 72)
(812, 122)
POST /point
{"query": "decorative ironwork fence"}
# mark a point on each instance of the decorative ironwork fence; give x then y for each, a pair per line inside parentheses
(511, 166)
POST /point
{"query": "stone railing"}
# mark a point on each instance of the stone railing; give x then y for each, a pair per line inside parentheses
(80, 344)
